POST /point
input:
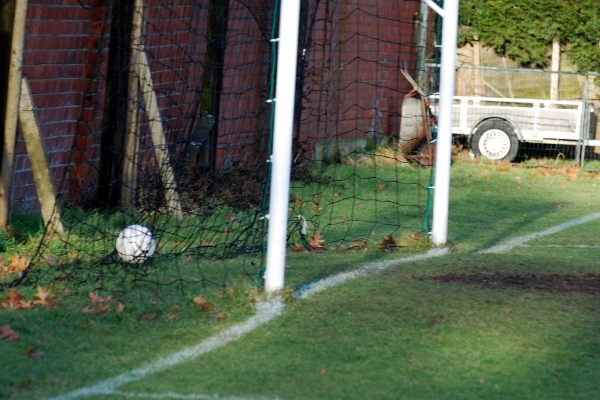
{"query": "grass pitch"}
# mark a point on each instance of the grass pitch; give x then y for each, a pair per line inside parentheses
(409, 332)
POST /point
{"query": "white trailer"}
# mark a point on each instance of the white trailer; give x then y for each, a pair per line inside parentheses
(496, 127)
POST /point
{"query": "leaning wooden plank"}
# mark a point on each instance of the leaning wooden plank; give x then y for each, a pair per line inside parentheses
(132, 138)
(158, 137)
(39, 163)
(12, 110)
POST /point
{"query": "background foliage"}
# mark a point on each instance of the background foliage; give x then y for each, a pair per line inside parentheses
(525, 29)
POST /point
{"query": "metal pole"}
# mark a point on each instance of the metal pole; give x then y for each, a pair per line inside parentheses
(439, 232)
(281, 159)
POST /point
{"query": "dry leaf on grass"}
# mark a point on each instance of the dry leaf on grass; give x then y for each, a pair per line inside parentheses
(99, 305)
(30, 352)
(171, 316)
(16, 301)
(315, 242)
(45, 298)
(15, 264)
(362, 245)
(388, 243)
(416, 236)
(7, 333)
(149, 316)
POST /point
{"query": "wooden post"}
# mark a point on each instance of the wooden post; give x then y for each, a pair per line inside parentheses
(158, 137)
(132, 139)
(12, 110)
(39, 163)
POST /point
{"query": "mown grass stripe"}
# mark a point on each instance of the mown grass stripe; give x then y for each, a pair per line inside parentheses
(188, 396)
(264, 313)
(519, 241)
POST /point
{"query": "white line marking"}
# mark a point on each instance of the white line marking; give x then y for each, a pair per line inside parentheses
(508, 245)
(369, 269)
(572, 246)
(265, 312)
(191, 396)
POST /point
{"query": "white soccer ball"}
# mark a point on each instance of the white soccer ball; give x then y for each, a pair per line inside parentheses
(135, 244)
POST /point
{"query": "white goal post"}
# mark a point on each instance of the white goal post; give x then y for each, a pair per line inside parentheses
(283, 130)
(443, 155)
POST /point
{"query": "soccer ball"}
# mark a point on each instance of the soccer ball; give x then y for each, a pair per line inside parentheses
(135, 244)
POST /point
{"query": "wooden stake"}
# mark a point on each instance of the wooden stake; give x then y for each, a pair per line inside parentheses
(12, 110)
(132, 138)
(158, 137)
(39, 163)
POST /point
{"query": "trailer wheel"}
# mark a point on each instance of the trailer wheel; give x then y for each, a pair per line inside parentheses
(496, 140)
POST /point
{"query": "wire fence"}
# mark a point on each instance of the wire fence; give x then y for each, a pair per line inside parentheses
(538, 117)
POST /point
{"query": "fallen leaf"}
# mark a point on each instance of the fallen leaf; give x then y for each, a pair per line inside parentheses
(30, 352)
(557, 205)
(362, 245)
(45, 299)
(7, 333)
(507, 311)
(199, 300)
(99, 304)
(149, 316)
(17, 264)
(388, 243)
(207, 306)
(119, 307)
(220, 315)
(204, 242)
(171, 316)
(14, 299)
(322, 371)
(359, 207)
(416, 236)
(433, 321)
(315, 242)
(297, 247)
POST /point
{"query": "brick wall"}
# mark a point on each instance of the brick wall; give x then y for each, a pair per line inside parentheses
(64, 56)
(352, 82)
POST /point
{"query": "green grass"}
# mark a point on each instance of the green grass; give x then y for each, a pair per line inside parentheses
(393, 335)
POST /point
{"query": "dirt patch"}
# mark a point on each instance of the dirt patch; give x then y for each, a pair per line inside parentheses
(589, 283)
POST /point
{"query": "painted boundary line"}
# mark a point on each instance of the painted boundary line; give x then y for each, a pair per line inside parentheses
(369, 269)
(269, 310)
(190, 396)
(519, 241)
(265, 312)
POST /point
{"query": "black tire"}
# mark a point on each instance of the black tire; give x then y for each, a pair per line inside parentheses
(496, 140)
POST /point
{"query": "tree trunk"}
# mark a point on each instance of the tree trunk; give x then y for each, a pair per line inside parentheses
(554, 78)
(479, 81)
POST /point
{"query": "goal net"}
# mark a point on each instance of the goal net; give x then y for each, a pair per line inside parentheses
(174, 134)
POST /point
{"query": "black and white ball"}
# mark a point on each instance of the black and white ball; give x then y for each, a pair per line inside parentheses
(135, 244)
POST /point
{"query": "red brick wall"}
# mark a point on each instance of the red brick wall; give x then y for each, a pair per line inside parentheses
(64, 56)
(352, 85)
